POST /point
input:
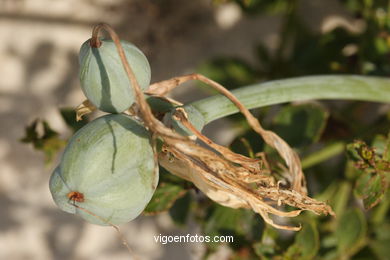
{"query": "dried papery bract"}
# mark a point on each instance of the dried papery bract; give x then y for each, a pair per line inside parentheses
(230, 179)
(84, 108)
(290, 157)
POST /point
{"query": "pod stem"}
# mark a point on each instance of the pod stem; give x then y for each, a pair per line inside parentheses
(95, 42)
(145, 111)
(121, 236)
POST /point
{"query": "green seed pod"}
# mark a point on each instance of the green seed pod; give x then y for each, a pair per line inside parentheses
(107, 169)
(194, 116)
(103, 78)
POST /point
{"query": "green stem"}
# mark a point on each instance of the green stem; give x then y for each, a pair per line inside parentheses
(347, 87)
(325, 153)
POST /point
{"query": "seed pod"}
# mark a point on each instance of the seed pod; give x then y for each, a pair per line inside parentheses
(103, 78)
(107, 168)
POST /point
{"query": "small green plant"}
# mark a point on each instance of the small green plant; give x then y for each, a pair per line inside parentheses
(230, 179)
(254, 177)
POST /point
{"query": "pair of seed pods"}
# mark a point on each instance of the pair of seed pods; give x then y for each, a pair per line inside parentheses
(106, 174)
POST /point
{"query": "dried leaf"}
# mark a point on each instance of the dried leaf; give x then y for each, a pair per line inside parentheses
(83, 109)
(69, 116)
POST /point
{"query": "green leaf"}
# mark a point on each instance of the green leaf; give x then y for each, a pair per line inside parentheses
(164, 197)
(69, 116)
(48, 132)
(370, 188)
(31, 134)
(242, 146)
(264, 250)
(300, 125)
(306, 243)
(47, 140)
(223, 221)
(362, 154)
(159, 105)
(180, 210)
(169, 189)
(338, 195)
(380, 143)
(51, 148)
(350, 231)
(364, 88)
(380, 212)
(307, 240)
(268, 246)
(380, 245)
(371, 183)
(243, 225)
(340, 200)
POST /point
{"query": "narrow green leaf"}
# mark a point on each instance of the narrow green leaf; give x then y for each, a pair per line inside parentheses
(295, 89)
(340, 199)
(327, 152)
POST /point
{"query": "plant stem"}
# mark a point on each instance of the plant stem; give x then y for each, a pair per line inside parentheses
(325, 153)
(348, 87)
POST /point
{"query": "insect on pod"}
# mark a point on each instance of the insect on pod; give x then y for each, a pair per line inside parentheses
(107, 169)
(103, 78)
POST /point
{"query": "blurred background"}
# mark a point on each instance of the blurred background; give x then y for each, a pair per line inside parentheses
(235, 43)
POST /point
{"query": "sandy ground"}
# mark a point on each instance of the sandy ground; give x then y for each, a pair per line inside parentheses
(39, 47)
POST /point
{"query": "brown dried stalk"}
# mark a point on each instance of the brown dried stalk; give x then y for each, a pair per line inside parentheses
(228, 178)
(291, 158)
